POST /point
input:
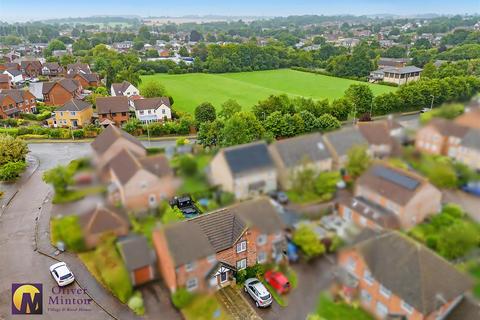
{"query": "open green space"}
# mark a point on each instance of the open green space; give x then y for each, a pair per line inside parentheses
(189, 90)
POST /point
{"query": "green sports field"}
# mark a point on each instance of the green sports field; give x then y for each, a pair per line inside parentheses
(189, 90)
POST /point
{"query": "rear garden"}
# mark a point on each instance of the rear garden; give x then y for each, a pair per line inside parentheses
(329, 309)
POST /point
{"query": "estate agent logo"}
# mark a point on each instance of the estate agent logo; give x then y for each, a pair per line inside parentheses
(27, 298)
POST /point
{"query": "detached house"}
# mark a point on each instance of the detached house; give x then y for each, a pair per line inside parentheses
(440, 137)
(339, 142)
(86, 79)
(113, 110)
(16, 101)
(5, 81)
(298, 153)
(111, 142)
(100, 220)
(388, 197)
(124, 88)
(59, 92)
(468, 151)
(140, 183)
(380, 138)
(152, 109)
(397, 278)
(470, 119)
(73, 114)
(245, 170)
(205, 252)
(31, 69)
(14, 75)
(52, 69)
(78, 68)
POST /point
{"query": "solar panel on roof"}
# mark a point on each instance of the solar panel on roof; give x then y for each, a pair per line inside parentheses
(395, 177)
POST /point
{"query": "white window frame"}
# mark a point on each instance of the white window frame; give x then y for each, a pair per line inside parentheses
(381, 307)
(351, 264)
(262, 257)
(365, 297)
(242, 246)
(191, 286)
(385, 292)
(241, 264)
(190, 266)
(408, 308)
(367, 276)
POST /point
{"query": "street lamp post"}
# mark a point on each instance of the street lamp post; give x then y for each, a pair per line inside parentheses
(431, 104)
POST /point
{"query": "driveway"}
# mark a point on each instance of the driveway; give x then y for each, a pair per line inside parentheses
(470, 203)
(313, 278)
(235, 304)
(156, 298)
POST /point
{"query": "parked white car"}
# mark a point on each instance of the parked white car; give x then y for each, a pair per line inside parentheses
(258, 292)
(62, 274)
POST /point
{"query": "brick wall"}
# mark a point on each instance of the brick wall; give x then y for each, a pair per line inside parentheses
(57, 96)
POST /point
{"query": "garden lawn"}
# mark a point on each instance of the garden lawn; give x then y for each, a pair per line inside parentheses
(189, 90)
(204, 307)
(75, 195)
(327, 309)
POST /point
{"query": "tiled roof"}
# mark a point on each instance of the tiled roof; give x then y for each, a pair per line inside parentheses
(135, 251)
(109, 136)
(74, 105)
(150, 103)
(248, 158)
(344, 139)
(107, 105)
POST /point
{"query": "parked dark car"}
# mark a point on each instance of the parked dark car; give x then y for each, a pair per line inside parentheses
(473, 188)
(279, 196)
(186, 204)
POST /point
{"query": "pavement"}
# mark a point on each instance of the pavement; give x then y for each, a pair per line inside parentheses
(156, 299)
(313, 278)
(469, 202)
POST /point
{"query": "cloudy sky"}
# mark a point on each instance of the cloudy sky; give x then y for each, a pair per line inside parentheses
(12, 10)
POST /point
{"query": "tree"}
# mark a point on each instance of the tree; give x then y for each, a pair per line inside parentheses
(361, 97)
(183, 52)
(187, 165)
(276, 124)
(195, 36)
(205, 112)
(133, 126)
(386, 103)
(454, 242)
(242, 127)
(210, 133)
(60, 177)
(54, 45)
(395, 52)
(341, 108)
(308, 120)
(303, 180)
(422, 43)
(429, 70)
(327, 122)
(281, 103)
(11, 170)
(229, 108)
(358, 161)
(326, 184)
(306, 238)
(153, 89)
(12, 149)
(172, 215)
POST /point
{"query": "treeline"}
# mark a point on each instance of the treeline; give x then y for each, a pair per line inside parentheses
(282, 116)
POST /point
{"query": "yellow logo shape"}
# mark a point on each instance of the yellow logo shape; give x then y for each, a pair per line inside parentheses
(18, 296)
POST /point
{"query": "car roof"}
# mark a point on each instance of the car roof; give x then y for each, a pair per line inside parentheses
(261, 288)
(62, 270)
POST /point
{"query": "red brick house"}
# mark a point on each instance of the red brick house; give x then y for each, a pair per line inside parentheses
(86, 79)
(138, 257)
(439, 136)
(395, 277)
(388, 197)
(16, 101)
(116, 109)
(5, 82)
(204, 253)
(31, 68)
(52, 69)
(59, 92)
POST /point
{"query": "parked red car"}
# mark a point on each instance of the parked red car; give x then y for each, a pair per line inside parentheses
(278, 281)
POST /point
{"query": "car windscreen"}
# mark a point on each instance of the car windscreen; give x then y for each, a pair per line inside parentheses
(68, 275)
(265, 297)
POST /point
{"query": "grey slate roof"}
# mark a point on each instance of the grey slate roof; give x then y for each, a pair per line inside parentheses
(344, 139)
(74, 105)
(294, 150)
(411, 271)
(472, 139)
(407, 69)
(102, 219)
(119, 88)
(135, 251)
(213, 232)
(150, 103)
(248, 158)
(14, 72)
(106, 105)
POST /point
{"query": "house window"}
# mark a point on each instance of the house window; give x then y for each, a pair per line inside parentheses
(124, 113)
(192, 284)
(163, 111)
(367, 276)
(262, 257)
(241, 264)
(385, 292)
(365, 297)
(190, 266)
(72, 113)
(141, 112)
(351, 264)
(212, 259)
(381, 310)
(61, 114)
(261, 239)
(408, 308)
(241, 246)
